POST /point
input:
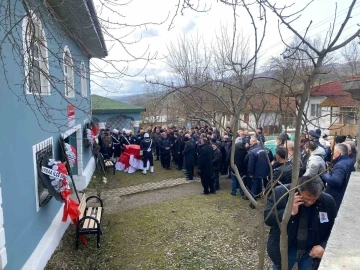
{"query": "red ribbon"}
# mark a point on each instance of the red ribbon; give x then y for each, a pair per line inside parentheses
(71, 207)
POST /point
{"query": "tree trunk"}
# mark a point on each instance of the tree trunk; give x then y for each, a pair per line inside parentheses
(295, 171)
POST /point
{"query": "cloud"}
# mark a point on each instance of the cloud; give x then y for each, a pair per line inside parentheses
(189, 26)
(110, 87)
(147, 33)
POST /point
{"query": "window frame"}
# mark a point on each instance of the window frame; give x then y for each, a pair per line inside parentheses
(83, 82)
(42, 59)
(316, 110)
(68, 71)
(38, 147)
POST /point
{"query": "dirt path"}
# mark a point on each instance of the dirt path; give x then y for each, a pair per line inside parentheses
(114, 201)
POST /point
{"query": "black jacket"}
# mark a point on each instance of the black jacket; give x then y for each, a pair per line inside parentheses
(205, 160)
(189, 154)
(179, 145)
(163, 144)
(138, 138)
(337, 179)
(239, 158)
(146, 144)
(282, 172)
(320, 231)
(217, 160)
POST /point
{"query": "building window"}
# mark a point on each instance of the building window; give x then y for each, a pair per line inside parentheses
(315, 110)
(83, 80)
(36, 62)
(68, 74)
(42, 152)
(348, 115)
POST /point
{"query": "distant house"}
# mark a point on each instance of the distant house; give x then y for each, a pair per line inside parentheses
(45, 90)
(267, 110)
(332, 110)
(115, 114)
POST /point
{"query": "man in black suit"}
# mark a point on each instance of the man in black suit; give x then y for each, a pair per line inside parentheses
(205, 167)
(189, 157)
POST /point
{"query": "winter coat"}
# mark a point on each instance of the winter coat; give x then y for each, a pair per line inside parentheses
(320, 231)
(163, 144)
(327, 157)
(146, 145)
(157, 138)
(127, 140)
(260, 138)
(217, 160)
(205, 160)
(138, 138)
(179, 145)
(189, 154)
(337, 180)
(258, 166)
(239, 158)
(282, 172)
(315, 164)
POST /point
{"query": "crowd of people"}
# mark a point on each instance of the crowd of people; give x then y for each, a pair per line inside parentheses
(325, 166)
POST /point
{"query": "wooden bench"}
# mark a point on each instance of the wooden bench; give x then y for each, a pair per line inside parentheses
(106, 162)
(90, 219)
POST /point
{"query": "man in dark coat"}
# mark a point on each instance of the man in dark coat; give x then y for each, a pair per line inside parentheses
(165, 148)
(258, 167)
(337, 180)
(189, 158)
(157, 137)
(312, 218)
(239, 160)
(282, 168)
(259, 135)
(205, 167)
(179, 147)
(217, 163)
(139, 136)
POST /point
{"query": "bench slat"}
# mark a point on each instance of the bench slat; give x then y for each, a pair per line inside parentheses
(92, 214)
(82, 205)
(86, 222)
(98, 216)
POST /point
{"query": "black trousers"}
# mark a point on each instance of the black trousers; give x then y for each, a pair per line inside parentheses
(165, 160)
(157, 151)
(147, 156)
(190, 172)
(207, 182)
(179, 160)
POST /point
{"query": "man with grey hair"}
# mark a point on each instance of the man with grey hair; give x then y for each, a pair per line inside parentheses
(312, 218)
(338, 178)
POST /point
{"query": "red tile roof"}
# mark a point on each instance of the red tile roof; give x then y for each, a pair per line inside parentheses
(328, 89)
(340, 101)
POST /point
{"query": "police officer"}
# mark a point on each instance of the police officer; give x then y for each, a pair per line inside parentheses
(146, 147)
(116, 143)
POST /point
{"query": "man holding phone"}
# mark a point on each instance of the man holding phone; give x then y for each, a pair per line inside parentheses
(312, 218)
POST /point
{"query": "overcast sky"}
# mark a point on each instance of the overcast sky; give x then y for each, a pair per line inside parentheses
(153, 39)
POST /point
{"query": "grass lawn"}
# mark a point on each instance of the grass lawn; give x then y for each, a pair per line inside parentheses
(121, 179)
(198, 232)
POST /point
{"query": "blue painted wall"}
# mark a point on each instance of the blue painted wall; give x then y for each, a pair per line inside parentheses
(24, 126)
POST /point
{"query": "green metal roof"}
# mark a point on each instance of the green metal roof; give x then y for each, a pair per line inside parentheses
(101, 104)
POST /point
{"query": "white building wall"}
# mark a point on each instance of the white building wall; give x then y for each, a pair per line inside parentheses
(322, 122)
(266, 119)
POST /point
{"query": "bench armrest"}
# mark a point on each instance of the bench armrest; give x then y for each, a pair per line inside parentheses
(96, 197)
